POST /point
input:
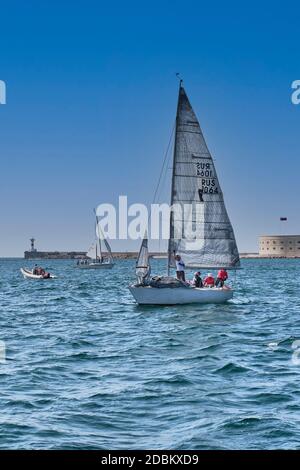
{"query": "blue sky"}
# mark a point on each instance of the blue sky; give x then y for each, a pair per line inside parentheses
(91, 100)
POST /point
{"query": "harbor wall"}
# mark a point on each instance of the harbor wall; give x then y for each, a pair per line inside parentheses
(54, 254)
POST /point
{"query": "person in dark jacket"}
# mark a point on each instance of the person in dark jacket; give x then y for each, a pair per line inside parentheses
(197, 280)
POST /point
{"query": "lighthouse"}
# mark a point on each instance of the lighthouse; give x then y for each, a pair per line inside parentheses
(32, 240)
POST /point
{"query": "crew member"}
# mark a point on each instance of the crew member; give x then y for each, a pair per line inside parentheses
(180, 267)
(221, 277)
(209, 281)
(197, 281)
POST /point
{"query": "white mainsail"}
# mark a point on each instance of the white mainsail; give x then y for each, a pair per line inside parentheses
(92, 252)
(200, 229)
(102, 238)
(95, 252)
(142, 268)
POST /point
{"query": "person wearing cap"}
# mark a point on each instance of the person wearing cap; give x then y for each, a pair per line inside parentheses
(197, 281)
(209, 281)
(180, 267)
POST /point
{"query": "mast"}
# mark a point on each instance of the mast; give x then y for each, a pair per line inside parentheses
(99, 238)
(100, 248)
(171, 235)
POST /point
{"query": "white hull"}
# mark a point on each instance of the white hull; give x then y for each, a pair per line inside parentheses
(28, 275)
(95, 266)
(147, 295)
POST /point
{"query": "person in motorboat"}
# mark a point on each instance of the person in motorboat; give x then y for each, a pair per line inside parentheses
(44, 273)
(209, 281)
(197, 280)
(180, 267)
(34, 271)
(38, 271)
(221, 277)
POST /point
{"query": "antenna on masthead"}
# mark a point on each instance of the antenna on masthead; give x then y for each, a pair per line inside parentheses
(179, 78)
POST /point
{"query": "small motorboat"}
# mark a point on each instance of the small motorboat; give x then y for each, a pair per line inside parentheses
(28, 274)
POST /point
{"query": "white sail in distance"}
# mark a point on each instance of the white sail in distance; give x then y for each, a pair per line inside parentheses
(200, 229)
(102, 240)
(92, 252)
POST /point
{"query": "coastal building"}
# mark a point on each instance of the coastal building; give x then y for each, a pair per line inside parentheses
(279, 246)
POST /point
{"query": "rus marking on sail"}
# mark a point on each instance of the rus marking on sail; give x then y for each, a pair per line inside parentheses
(207, 177)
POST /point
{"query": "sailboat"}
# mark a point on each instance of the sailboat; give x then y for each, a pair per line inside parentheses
(95, 254)
(207, 242)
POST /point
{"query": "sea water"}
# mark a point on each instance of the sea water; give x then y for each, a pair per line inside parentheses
(83, 367)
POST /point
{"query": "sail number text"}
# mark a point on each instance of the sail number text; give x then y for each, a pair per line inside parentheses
(208, 180)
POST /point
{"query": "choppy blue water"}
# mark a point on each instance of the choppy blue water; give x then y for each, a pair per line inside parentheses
(87, 368)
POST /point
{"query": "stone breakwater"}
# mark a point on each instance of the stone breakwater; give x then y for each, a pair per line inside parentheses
(116, 254)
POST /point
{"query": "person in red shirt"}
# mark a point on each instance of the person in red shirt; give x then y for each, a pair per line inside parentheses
(221, 277)
(209, 281)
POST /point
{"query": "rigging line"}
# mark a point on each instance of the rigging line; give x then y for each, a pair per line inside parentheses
(162, 175)
(163, 165)
(167, 168)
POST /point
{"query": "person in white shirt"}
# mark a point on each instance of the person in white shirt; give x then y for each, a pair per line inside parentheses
(180, 267)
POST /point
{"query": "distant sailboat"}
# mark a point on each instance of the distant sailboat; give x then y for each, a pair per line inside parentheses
(142, 268)
(96, 257)
(208, 242)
